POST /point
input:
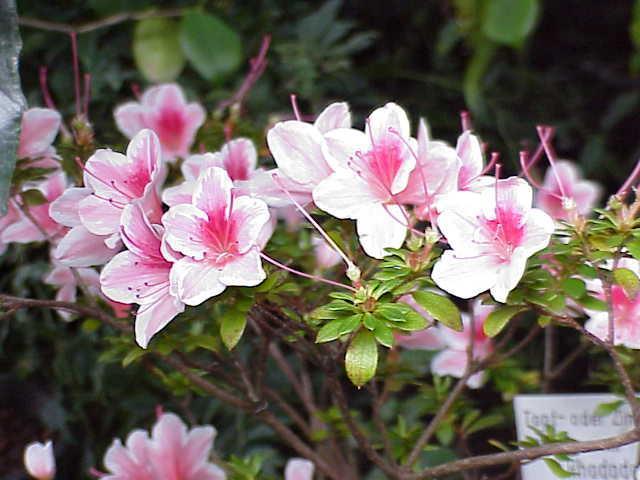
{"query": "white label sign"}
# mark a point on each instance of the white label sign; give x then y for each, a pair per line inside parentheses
(575, 415)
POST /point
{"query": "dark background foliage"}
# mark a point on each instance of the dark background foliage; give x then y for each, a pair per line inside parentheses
(575, 68)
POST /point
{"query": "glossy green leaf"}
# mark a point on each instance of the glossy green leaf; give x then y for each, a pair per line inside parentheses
(627, 280)
(232, 327)
(509, 22)
(12, 102)
(156, 49)
(440, 308)
(499, 318)
(574, 287)
(212, 47)
(361, 359)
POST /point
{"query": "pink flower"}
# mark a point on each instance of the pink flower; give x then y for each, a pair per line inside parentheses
(39, 460)
(491, 234)
(453, 360)
(172, 453)
(626, 319)
(578, 193)
(326, 257)
(117, 180)
(219, 234)
(436, 174)
(63, 278)
(37, 133)
(5, 221)
(370, 170)
(79, 247)
(471, 160)
(299, 469)
(141, 275)
(299, 148)
(164, 110)
(426, 339)
(24, 230)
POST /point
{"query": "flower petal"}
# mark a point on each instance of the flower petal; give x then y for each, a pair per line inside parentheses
(183, 230)
(344, 195)
(212, 193)
(99, 216)
(38, 131)
(250, 215)
(335, 115)
(465, 277)
(299, 469)
(379, 227)
(64, 209)
(81, 248)
(129, 118)
(383, 120)
(244, 270)
(195, 281)
(153, 317)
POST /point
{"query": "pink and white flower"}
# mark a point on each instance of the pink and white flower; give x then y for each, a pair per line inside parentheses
(491, 234)
(171, 453)
(369, 170)
(39, 460)
(38, 225)
(37, 133)
(326, 257)
(580, 195)
(299, 469)
(116, 180)
(219, 235)
(436, 173)
(63, 278)
(141, 274)
(453, 360)
(164, 110)
(626, 319)
(299, 148)
(471, 159)
(79, 247)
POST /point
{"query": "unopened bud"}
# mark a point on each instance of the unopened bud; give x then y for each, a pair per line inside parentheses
(353, 273)
(431, 236)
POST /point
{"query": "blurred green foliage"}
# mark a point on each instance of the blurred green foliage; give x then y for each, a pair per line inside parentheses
(514, 63)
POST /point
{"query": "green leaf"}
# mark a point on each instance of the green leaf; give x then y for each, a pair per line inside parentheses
(593, 303)
(384, 335)
(605, 409)
(361, 359)
(350, 324)
(212, 47)
(12, 102)
(574, 287)
(509, 22)
(232, 327)
(329, 331)
(498, 319)
(557, 469)
(156, 49)
(440, 308)
(132, 356)
(634, 248)
(627, 280)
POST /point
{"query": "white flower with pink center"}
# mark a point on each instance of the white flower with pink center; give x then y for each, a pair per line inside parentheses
(164, 110)
(299, 148)
(141, 275)
(491, 234)
(172, 452)
(370, 169)
(116, 180)
(565, 190)
(299, 469)
(453, 359)
(219, 235)
(436, 173)
(39, 460)
(626, 319)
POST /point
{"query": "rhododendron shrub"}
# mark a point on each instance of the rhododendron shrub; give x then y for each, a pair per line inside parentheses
(346, 284)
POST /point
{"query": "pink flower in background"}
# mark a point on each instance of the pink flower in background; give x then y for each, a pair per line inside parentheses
(37, 133)
(491, 234)
(299, 149)
(7, 219)
(63, 278)
(626, 319)
(299, 469)
(471, 160)
(370, 169)
(79, 247)
(117, 180)
(37, 225)
(39, 460)
(219, 235)
(326, 257)
(164, 110)
(453, 360)
(171, 453)
(426, 339)
(436, 173)
(578, 193)
(141, 275)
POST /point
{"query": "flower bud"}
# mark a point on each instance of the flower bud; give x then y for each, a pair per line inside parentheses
(39, 460)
